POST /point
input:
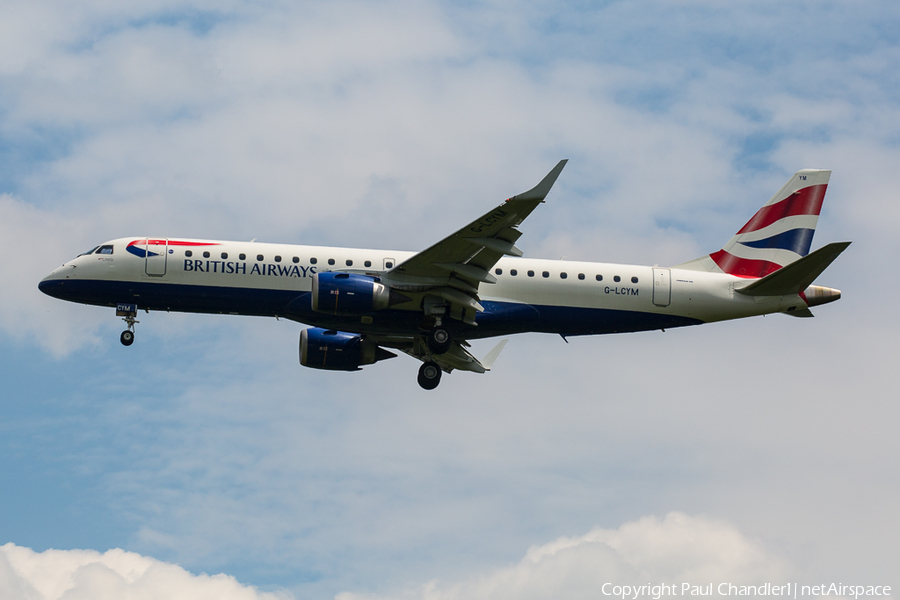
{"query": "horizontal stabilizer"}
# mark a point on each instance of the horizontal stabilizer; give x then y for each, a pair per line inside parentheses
(797, 276)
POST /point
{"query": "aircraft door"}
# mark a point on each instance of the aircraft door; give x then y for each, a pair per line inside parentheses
(156, 253)
(662, 287)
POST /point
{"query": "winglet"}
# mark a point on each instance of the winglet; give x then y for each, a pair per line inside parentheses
(491, 356)
(540, 191)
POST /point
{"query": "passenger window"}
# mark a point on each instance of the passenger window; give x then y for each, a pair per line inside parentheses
(599, 277)
(368, 263)
(330, 261)
(498, 271)
(563, 275)
(188, 253)
(348, 262)
(224, 255)
(206, 255)
(242, 256)
(546, 274)
(617, 279)
(296, 259)
(581, 276)
(531, 273)
(259, 257)
(634, 280)
(277, 258)
(513, 272)
(388, 265)
(313, 261)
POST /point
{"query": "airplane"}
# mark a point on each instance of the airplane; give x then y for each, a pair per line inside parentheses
(360, 304)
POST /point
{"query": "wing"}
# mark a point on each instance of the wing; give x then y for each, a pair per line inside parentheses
(457, 356)
(454, 267)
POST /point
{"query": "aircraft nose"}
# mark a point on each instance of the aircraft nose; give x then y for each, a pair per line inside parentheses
(51, 287)
(54, 283)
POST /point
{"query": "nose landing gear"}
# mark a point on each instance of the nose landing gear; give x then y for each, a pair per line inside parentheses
(128, 312)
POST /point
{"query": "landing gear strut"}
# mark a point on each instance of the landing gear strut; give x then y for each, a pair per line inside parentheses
(429, 375)
(128, 312)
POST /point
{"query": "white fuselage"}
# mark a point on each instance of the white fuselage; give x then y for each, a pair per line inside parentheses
(570, 297)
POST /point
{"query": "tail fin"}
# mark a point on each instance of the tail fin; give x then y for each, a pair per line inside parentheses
(780, 232)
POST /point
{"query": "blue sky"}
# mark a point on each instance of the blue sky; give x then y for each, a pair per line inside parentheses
(769, 443)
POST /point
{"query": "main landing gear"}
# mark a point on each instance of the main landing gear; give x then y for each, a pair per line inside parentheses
(439, 340)
(429, 375)
(128, 312)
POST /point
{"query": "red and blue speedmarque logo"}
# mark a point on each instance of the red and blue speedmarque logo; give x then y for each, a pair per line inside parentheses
(144, 248)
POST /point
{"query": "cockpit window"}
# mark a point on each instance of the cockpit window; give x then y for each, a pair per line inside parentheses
(91, 251)
(105, 250)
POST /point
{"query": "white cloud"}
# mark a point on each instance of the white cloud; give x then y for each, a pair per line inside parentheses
(112, 575)
(676, 549)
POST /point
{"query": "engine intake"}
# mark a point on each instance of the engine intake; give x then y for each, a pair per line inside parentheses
(337, 350)
(348, 293)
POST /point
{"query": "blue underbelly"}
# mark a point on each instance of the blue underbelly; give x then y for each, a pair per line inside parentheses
(499, 318)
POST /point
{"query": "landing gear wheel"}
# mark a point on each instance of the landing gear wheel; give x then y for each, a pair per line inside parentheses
(439, 340)
(429, 375)
(127, 337)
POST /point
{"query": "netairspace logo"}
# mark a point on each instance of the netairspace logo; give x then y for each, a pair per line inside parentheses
(787, 590)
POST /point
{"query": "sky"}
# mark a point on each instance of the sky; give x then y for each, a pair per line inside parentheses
(204, 461)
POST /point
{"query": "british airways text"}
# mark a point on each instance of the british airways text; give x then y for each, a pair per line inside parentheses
(228, 267)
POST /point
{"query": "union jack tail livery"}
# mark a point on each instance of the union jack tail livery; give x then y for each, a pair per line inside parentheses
(780, 232)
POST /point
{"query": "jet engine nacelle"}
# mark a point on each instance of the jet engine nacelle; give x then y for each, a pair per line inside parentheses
(348, 293)
(337, 350)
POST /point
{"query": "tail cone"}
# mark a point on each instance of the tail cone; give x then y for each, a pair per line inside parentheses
(815, 295)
